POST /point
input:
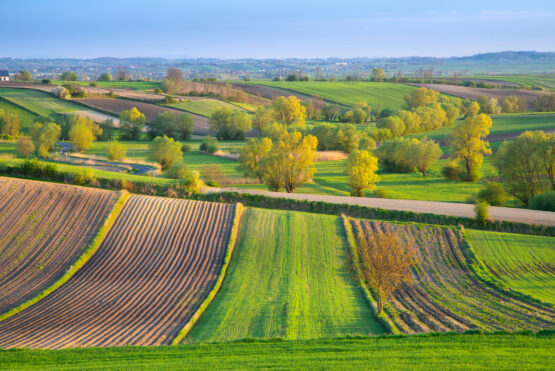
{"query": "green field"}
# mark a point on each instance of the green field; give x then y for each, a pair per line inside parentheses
(204, 107)
(453, 352)
(289, 278)
(524, 263)
(546, 81)
(136, 85)
(38, 102)
(27, 119)
(378, 95)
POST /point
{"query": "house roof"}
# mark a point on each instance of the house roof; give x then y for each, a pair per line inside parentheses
(4, 73)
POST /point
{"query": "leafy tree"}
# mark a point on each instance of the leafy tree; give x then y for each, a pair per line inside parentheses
(378, 74)
(423, 154)
(251, 155)
(116, 151)
(431, 117)
(209, 145)
(179, 127)
(331, 111)
(421, 97)
(473, 109)
(395, 125)
(288, 110)
(61, 92)
(469, 144)
(165, 151)
(262, 117)
(545, 103)
(385, 262)
(68, 76)
(227, 124)
(361, 169)
(45, 136)
(80, 136)
(106, 76)
(274, 131)
(451, 113)
(493, 194)
(133, 122)
(178, 170)
(411, 121)
(481, 209)
(25, 146)
(359, 115)
(512, 104)
(9, 123)
(488, 105)
(289, 163)
(24, 76)
(348, 116)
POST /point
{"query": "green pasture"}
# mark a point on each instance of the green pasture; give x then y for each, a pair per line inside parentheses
(38, 102)
(26, 119)
(204, 107)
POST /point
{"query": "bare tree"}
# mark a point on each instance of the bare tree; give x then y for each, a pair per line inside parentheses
(385, 262)
(122, 73)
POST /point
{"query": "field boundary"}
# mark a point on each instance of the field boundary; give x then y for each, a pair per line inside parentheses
(81, 260)
(230, 247)
(20, 106)
(480, 270)
(384, 320)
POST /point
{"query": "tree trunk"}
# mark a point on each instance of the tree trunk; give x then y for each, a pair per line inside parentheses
(380, 303)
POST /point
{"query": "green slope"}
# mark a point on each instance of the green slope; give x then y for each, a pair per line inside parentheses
(26, 119)
(288, 278)
(38, 102)
(204, 107)
(525, 263)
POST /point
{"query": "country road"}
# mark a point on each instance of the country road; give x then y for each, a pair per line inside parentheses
(433, 207)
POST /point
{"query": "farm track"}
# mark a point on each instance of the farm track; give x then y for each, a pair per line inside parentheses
(43, 229)
(150, 274)
(446, 295)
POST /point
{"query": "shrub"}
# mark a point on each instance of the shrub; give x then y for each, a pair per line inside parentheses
(209, 145)
(178, 170)
(61, 92)
(451, 170)
(185, 148)
(85, 177)
(46, 81)
(158, 91)
(212, 183)
(544, 201)
(93, 84)
(494, 194)
(379, 193)
(169, 99)
(192, 183)
(481, 209)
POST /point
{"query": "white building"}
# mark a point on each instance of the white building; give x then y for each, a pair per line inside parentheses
(4, 75)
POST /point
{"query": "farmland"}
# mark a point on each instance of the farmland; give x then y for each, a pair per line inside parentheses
(545, 81)
(524, 263)
(147, 278)
(378, 95)
(446, 294)
(44, 228)
(26, 119)
(204, 107)
(37, 102)
(283, 283)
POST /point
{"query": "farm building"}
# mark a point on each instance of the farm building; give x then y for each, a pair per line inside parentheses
(4, 75)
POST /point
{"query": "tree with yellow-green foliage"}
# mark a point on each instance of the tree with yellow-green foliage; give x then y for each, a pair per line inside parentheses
(116, 151)
(512, 104)
(289, 110)
(252, 154)
(422, 154)
(289, 163)
(473, 109)
(378, 74)
(421, 97)
(9, 124)
(133, 122)
(25, 146)
(228, 125)
(45, 136)
(361, 169)
(262, 117)
(469, 144)
(83, 131)
(165, 151)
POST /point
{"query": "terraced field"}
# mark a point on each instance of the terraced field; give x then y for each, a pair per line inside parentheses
(446, 294)
(204, 107)
(524, 263)
(288, 278)
(148, 277)
(40, 103)
(43, 229)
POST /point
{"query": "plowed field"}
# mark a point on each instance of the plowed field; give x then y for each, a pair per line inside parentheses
(148, 277)
(446, 294)
(43, 228)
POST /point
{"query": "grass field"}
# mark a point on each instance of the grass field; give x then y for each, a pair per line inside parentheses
(137, 85)
(204, 107)
(524, 263)
(26, 119)
(378, 95)
(454, 352)
(38, 102)
(546, 81)
(288, 278)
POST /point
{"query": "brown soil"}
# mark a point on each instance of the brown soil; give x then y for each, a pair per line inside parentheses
(157, 264)
(44, 228)
(269, 92)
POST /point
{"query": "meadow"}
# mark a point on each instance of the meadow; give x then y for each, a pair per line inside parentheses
(26, 118)
(546, 81)
(136, 85)
(38, 102)
(204, 107)
(282, 283)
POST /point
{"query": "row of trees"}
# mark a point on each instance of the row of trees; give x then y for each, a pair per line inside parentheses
(9, 124)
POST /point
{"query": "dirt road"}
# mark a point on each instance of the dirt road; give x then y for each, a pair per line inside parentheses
(433, 207)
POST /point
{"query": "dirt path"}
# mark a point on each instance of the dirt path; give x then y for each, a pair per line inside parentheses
(434, 207)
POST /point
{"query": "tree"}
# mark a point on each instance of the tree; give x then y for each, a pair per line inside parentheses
(106, 76)
(493, 194)
(165, 151)
(61, 92)
(178, 170)
(481, 209)
(521, 167)
(68, 76)
(179, 127)
(359, 116)
(132, 121)
(173, 82)
(25, 146)
(411, 121)
(331, 111)
(361, 169)
(395, 125)
(251, 155)
(423, 154)
(274, 131)
(378, 74)
(473, 109)
(262, 117)
(451, 113)
(23, 76)
(122, 73)
(229, 125)
(288, 110)
(209, 145)
(45, 136)
(512, 104)
(80, 136)
(545, 103)
(421, 97)
(469, 144)
(116, 151)
(431, 117)
(289, 163)
(385, 262)
(9, 123)
(488, 105)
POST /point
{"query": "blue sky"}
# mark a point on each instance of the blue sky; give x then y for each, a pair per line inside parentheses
(273, 29)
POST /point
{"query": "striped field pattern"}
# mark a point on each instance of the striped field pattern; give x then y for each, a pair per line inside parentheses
(44, 227)
(152, 271)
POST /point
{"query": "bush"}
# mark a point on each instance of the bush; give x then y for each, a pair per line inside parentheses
(481, 209)
(494, 194)
(85, 177)
(46, 81)
(451, 171)
(169, 99)
(380, 193)
(158, 91)
(544, 201)
(185, 148)
(209, 145)
(191, 184)
(61, 92)
(178, 170)
(116, 151)
(212, 183)
(93, 84)
(25, 146)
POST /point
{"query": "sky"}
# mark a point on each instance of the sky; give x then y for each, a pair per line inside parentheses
(272, 29)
